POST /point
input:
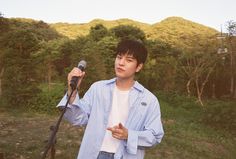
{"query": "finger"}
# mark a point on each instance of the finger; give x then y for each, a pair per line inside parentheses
(77, 72)
(116, 127)
(110, 129)
(117, 133)
(74, 72)
(114, 130)
(116, 136)
(83, 74)
(81, 77)
(121, 126)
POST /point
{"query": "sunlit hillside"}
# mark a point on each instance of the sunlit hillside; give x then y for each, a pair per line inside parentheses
(170, 29)
(74, 30)
(180, 32)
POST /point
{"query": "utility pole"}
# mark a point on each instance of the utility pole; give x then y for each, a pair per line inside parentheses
(222, 52)
(231, 27)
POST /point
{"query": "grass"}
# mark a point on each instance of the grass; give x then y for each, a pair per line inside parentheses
(23, 135)
(187, 137)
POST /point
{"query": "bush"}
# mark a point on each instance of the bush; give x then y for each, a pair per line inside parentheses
(221, 114)
(47, 100)
(178, 100)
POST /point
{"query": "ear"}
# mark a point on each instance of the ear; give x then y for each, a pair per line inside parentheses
(139, 67)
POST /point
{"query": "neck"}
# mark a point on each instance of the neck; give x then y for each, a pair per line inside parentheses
(124, 84)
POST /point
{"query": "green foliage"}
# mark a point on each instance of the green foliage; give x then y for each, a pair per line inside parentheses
(215, 114)
(33, 52)
(231, 27)
(47, 100)
(181, 33)
(98, 52)
(42, 30)
(18, 65)
(98, 32)
(161, 67)
(47, 57)
(19, 78)
(107, 48)
(73, 31)
(4, 23)
(176, 100)
(221, 115)
(128, 32)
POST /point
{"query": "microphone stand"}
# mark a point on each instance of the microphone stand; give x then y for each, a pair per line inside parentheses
(54, 129)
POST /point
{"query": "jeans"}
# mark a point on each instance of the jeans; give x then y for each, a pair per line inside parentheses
(105, 155)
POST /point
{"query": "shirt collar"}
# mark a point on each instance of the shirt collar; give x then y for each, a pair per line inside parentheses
(136, 85)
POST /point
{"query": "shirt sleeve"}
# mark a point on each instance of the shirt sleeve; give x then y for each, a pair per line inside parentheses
(151, 134)
(78, 112)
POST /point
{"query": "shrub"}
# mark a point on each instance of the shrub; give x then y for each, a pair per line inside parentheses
(221, 114)
(47, 100)
(178, 100)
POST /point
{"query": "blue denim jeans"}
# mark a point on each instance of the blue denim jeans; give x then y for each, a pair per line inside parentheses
(105, 155)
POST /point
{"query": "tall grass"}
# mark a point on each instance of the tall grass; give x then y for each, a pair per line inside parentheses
(187, 135)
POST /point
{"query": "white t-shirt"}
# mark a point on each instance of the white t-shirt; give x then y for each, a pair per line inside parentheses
(118, 114)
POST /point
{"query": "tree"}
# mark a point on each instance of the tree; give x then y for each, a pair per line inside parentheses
(160, 67)
(107, 49)
(98, 32)
(4, 23)
(198, 65)
(19, 76)
(47, 55)
(128, 32)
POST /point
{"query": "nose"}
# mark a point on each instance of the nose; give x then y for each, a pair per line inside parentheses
(122, 61)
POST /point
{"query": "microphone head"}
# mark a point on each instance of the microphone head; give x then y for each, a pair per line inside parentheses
(82, 65)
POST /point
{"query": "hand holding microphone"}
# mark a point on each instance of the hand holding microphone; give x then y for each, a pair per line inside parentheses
(74, 79)
(76, 75)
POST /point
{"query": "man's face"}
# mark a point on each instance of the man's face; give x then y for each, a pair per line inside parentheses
(126, 66)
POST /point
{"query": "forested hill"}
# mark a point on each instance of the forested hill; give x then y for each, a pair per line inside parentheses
(181, 32)
(74, 30)
(176, 31)
(170, 27)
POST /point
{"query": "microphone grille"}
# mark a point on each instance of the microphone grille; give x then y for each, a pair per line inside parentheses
(82, 64)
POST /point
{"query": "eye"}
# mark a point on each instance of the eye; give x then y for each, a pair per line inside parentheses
(129, 60)
(118, 57)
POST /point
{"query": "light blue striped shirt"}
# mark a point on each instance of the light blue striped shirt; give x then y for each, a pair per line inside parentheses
(144, 120)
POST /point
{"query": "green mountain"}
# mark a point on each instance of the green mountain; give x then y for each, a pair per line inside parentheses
(176, 31)
(74, 30)
(180, 32)
(170, 29)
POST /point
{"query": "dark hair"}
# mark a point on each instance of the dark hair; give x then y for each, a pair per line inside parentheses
(134, 48)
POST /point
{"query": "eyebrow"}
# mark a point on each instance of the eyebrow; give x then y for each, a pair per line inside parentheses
(130, 57)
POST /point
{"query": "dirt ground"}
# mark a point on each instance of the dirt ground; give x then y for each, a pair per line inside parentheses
(24, 136)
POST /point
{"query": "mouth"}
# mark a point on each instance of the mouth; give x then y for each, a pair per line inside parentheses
(119, 69)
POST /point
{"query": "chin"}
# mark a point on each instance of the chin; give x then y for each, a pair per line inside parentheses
(118, 75)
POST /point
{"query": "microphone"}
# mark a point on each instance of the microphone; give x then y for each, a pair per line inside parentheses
(74, 80)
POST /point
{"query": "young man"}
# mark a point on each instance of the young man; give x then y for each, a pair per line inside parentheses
(122, 117)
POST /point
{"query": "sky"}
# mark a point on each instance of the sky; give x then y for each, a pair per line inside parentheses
(211, 13)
